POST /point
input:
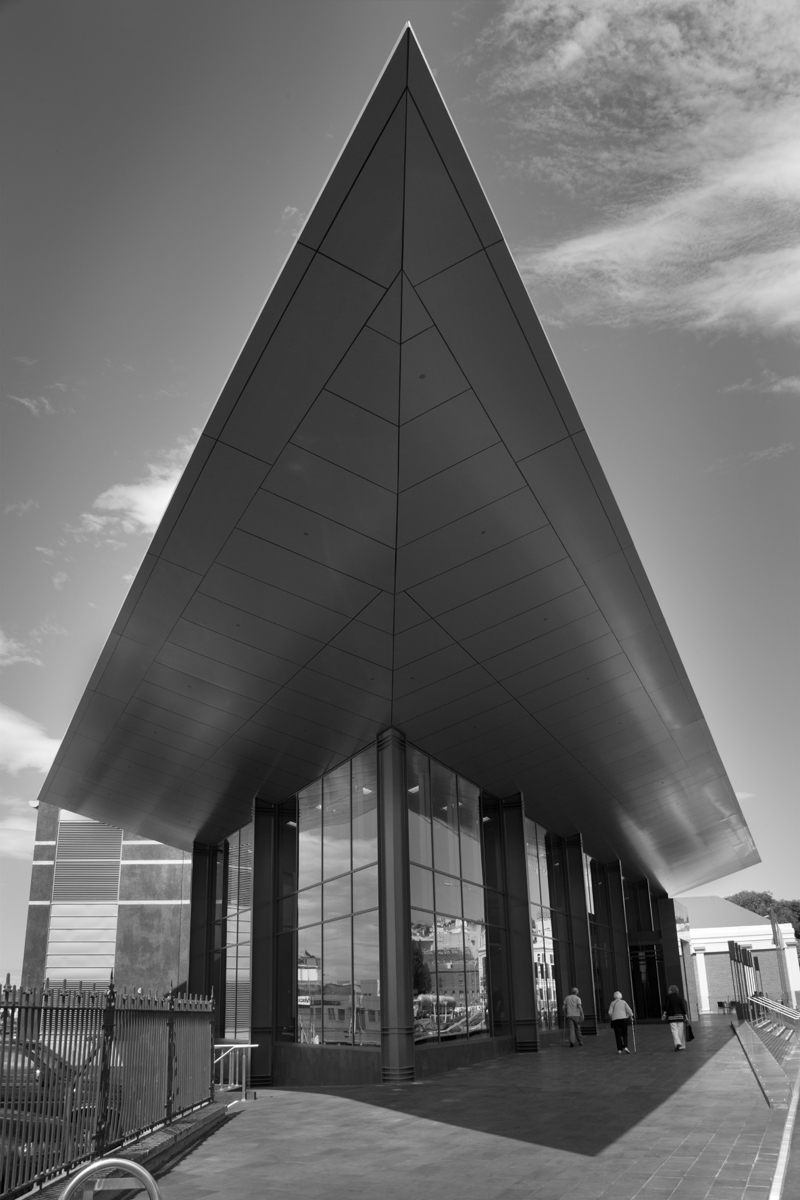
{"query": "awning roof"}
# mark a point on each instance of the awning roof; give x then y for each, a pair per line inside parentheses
(394, 517)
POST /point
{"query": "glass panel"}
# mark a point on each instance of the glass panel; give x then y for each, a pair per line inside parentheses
(287, 847)
(544, 880)
(475, 976)
(336, 900)
(421, 887)
(365, 808)
(365, 889)
(337, 982)
(309, 835)
(469, 816)
(492, 843)
(245, 896)
(287, 914)
(495, 909)
(419, 808)
(448, 895)
(474, 908)
(423, 960)
(444, 805)
(451, 1001)
(309, 906)
(286, 968)
(232, 889)
(532, 862)
(537, 929)
(309, 986)
(555, 872)
(336, 822)
(366, 973)
(587, 884)
(545, 983)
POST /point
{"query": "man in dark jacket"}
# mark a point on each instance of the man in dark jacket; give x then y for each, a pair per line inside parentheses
(675, 1013)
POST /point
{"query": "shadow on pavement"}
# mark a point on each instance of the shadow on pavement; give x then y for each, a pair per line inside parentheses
(580, 1100)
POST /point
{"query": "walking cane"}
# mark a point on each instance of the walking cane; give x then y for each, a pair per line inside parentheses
(633, 1032)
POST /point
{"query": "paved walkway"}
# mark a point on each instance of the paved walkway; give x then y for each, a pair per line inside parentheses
(574, 1124)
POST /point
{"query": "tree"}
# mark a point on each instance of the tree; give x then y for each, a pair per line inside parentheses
(763, 902)
(420, 970)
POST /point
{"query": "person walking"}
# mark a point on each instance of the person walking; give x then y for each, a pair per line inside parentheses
(675, 1013)
(573, 1011)
(620, 1013)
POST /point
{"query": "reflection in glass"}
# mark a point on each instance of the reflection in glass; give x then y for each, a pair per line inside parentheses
(336, 898)
(423, 964)
(337, 982)
(474, 907)
(365, 888)
(309, 835)
(309, 986)
(366, 975)
(448, 895)
(451, 997)
(309, 906)
(419, 808)
(287, 847)
(475, 976)
(286, 971)
(336, 822)
(444, 805)
(541, 833)
(470, 830)
(545, 982)
(365, 808)
(532, 862)
(421, 887)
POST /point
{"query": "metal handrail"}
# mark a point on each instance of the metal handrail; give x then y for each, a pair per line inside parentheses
(782, 1010)
(228, 1047)
(108, 1164)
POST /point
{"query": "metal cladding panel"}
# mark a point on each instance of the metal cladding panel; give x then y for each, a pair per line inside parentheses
(395, 517)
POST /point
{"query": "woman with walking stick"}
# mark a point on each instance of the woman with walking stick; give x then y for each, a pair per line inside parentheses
(620, 1013)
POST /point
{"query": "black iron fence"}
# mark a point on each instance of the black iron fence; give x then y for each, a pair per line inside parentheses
(84, 1072)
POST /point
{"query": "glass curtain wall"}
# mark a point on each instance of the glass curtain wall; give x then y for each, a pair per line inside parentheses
(563, 967)
(231, 938)
(328, 953)
(448, 909)
(544, 947)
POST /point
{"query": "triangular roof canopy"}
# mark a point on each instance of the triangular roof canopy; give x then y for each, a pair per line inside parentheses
(394, 517)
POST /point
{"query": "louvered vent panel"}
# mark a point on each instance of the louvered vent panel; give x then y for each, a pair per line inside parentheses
(87, 863)
(88, 842)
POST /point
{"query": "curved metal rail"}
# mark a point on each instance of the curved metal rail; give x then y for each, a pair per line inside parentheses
(105, 1164)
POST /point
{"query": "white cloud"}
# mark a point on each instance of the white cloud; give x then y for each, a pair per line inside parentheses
(59, 579)
(292, 221)
(769, 383)
(24, 744)
(27, 650)
(767, 454)
(12, 650)
(17, 829)
(127, 509)
(39, 406)
(680, 126)
(21, 506)
(26, 362)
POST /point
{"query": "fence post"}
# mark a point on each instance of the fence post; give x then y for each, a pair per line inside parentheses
(170, 1058)
(109, 1011)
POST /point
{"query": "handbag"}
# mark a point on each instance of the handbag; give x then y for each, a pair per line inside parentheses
(689, 1033)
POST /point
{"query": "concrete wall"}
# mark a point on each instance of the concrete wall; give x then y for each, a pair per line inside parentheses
(309, 1066)
(446, 1056)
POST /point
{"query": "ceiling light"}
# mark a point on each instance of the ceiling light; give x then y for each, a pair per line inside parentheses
(414, 789)
(367, 791)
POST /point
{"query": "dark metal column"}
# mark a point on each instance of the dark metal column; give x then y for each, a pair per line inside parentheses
(397, 1010)
(199, 979)
(619, 930)
(263, 945)
(523, 993)
(580, 938)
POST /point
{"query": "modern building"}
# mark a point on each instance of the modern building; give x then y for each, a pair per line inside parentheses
(714, 923)
(393, 639)
(105, 900)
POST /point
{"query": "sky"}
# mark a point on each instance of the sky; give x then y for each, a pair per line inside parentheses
(643, 160)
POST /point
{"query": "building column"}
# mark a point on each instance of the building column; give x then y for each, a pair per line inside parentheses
(523, 991)
(580, 937)
(619, 930)
(262, 945)
(701, 975)
(397, 1006)
(202, 895)
(668, 928)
